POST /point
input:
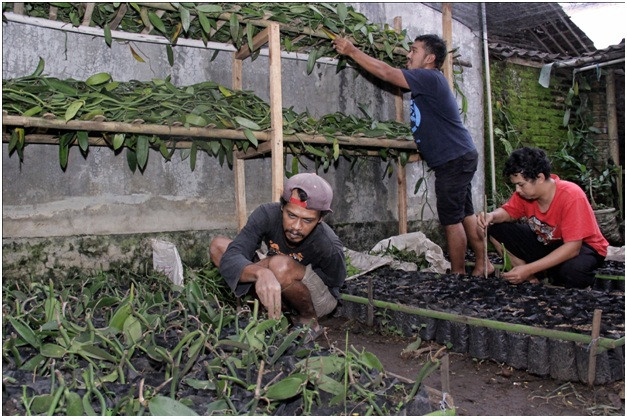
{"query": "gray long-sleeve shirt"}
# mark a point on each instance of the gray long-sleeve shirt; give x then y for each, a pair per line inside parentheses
(322, 249)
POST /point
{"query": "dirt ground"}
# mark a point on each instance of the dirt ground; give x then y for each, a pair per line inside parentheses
(481, 387)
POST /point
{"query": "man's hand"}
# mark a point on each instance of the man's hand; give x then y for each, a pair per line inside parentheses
(268, 289)
(518, 274)
(343, 46)
(483, 221)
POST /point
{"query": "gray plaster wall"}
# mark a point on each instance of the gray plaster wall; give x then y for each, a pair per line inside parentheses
(99, 195)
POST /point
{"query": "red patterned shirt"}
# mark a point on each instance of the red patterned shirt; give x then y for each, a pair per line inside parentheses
(569, 217)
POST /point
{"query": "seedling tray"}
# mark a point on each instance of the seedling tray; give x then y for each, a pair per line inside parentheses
(544, 330)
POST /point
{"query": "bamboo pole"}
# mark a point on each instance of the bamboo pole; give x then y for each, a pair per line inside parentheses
(444, 374)
(605, 343)
(592, 356)
(276, 110)
(238, 164)
(447, 34)
(401, 171)
(213, 133)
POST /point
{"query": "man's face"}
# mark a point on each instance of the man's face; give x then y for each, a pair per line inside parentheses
(526, 188)
(418, 58)
(298, 222)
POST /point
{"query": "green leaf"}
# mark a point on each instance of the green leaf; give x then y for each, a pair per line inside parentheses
(98, 79)
(507, 264)
(118, 140)
(73, 109)
(192, 156)
(32, 111)
(41, 403)
(132, 330)
(311, 61)
(83, 140)
(249, 35)
(96, 353)
(120, 315)
(204, 22)
(209, 8)
(53, 350)
(160, 405)
(342, 12)
(107, 34)
(39, 69)
(170, 52)
(136, 56)
(74, 404)
(142, 151)
(244, 122)
(185, 17)
(196, 120)
(61, 86)
(251, 137)
(566, 118)
(25, 332)
(370, 360)
(330, 385)
(234, 29)
(286, 388)
(156, 22)
(200, 385)
(131, 159)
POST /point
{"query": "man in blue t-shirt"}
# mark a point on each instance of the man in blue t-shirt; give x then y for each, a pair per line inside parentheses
(441, 138)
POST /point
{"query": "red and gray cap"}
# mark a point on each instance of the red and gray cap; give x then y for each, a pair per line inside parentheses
(319, 192)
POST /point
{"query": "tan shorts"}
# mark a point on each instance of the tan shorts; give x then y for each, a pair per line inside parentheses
(322, 299)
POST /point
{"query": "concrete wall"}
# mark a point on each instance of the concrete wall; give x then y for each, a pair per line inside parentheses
(98, 195)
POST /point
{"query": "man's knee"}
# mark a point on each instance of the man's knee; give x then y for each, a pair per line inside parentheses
(285, 269)
(218, 246)
(577, 272)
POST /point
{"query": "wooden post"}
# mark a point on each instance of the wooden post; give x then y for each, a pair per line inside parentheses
(238, 164)
(594, 345)
(370, 307)
(612, 128)
(444, 374)
(447, 35)
(401, 172)
(276, 110)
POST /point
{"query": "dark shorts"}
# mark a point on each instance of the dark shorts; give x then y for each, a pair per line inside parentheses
(522, 242)
(453, 189)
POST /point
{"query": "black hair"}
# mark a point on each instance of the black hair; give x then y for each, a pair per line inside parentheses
(529, 162)
(434, 45)
(302, 196)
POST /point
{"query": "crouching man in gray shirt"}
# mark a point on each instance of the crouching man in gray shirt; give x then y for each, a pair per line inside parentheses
(304, 267)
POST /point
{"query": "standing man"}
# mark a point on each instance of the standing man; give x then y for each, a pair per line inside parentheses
(442, 140)
(559, 233)
(304, 266)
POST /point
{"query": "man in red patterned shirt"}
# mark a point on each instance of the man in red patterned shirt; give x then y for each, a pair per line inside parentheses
(559, 233)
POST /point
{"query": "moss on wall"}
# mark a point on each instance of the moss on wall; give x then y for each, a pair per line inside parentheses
(528, 113)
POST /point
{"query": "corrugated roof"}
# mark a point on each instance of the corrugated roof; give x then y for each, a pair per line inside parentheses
(541, 27)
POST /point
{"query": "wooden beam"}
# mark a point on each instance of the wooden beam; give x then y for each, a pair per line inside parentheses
(238, 165)
(572, 47)
(401, 172)
(557, 44)
(206, 132)
(258, 40)
(594, 345)
(447, 34)
(118, 16)
(89, 10)
(276, 110)
(262, 149)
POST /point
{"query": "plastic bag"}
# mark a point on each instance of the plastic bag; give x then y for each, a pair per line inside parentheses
(166, 260)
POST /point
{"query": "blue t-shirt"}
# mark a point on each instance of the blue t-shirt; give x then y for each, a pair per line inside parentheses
(435, 121)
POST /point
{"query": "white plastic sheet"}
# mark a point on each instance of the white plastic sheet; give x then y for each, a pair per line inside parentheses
(166, 259)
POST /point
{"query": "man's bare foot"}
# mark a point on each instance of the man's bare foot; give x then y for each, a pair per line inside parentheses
(479, 271)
